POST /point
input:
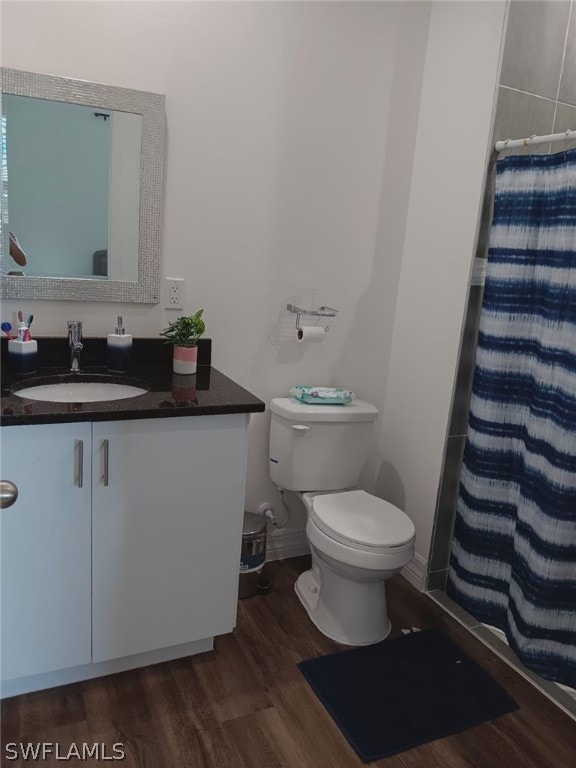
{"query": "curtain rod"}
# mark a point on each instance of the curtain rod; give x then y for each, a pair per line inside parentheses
(532, 141)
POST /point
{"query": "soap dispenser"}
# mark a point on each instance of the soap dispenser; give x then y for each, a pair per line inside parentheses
(119, 348)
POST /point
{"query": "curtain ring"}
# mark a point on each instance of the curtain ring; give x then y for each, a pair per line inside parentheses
(567, 133)
(530, 140)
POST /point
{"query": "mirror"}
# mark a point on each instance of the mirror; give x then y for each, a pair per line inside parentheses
(81, 185)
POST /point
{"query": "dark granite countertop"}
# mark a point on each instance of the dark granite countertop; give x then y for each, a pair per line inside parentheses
(205, 393)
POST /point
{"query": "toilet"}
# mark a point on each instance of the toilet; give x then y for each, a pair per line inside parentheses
(357, 540)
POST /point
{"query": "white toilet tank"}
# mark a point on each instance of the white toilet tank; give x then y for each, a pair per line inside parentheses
(318, 447)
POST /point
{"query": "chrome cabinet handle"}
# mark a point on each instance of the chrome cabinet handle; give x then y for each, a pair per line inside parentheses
(105, 461)
(8, 493)
(79, 463)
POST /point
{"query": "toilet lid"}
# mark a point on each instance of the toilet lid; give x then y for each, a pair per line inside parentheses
(358, 517)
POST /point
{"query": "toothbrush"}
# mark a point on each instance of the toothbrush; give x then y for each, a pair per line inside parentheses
(22, 327)
(6, 327)
(29, 321)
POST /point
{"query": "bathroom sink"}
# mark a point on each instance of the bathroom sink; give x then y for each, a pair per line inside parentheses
(78, 390)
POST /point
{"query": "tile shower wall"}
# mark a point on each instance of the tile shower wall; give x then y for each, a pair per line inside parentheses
(536, 95)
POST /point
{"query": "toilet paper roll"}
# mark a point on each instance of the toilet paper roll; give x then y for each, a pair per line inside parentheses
(311, 333)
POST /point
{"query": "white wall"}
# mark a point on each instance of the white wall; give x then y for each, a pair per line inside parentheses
(291, 134)
(291, 131)
(453, 133)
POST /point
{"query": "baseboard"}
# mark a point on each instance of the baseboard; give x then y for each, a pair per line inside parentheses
(415, 572)
(89, 671)
(286, 543)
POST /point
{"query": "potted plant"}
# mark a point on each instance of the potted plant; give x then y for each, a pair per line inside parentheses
(183, 333)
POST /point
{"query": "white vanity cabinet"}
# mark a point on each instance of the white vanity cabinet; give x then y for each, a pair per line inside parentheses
(166, 530)
(45, 549)
(139, 552)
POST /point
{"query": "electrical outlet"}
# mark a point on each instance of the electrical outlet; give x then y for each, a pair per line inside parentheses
(174, 292)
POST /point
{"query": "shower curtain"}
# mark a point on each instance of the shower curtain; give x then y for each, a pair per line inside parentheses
(513, 561)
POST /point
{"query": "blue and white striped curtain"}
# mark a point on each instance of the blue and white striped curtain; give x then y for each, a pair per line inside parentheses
(513, 562)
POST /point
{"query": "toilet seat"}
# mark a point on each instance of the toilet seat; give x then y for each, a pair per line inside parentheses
(363, 522)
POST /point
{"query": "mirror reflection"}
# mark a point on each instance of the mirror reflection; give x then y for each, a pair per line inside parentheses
(81, 189)
(73, 180)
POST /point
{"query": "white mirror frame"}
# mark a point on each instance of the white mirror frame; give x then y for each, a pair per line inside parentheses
(151, 107)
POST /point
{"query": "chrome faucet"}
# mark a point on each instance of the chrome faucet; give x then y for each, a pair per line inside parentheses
(75, 344)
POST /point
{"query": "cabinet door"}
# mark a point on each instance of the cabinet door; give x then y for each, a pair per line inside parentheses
(166, 531)
(45, 549)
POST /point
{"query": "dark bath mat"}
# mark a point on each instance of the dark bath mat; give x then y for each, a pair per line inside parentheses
(403, 692)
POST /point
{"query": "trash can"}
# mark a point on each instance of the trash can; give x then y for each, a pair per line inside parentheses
(253, 554)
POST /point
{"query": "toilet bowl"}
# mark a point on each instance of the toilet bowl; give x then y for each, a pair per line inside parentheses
(358, 542)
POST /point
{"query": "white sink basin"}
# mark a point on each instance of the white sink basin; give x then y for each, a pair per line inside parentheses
(80, 392)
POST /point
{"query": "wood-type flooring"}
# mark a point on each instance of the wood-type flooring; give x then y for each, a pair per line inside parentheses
(246, 705)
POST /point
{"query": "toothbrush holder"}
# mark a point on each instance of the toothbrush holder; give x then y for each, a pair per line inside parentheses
(22, 355)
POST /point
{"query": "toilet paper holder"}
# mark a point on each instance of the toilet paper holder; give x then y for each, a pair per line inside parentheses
(322, 312)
